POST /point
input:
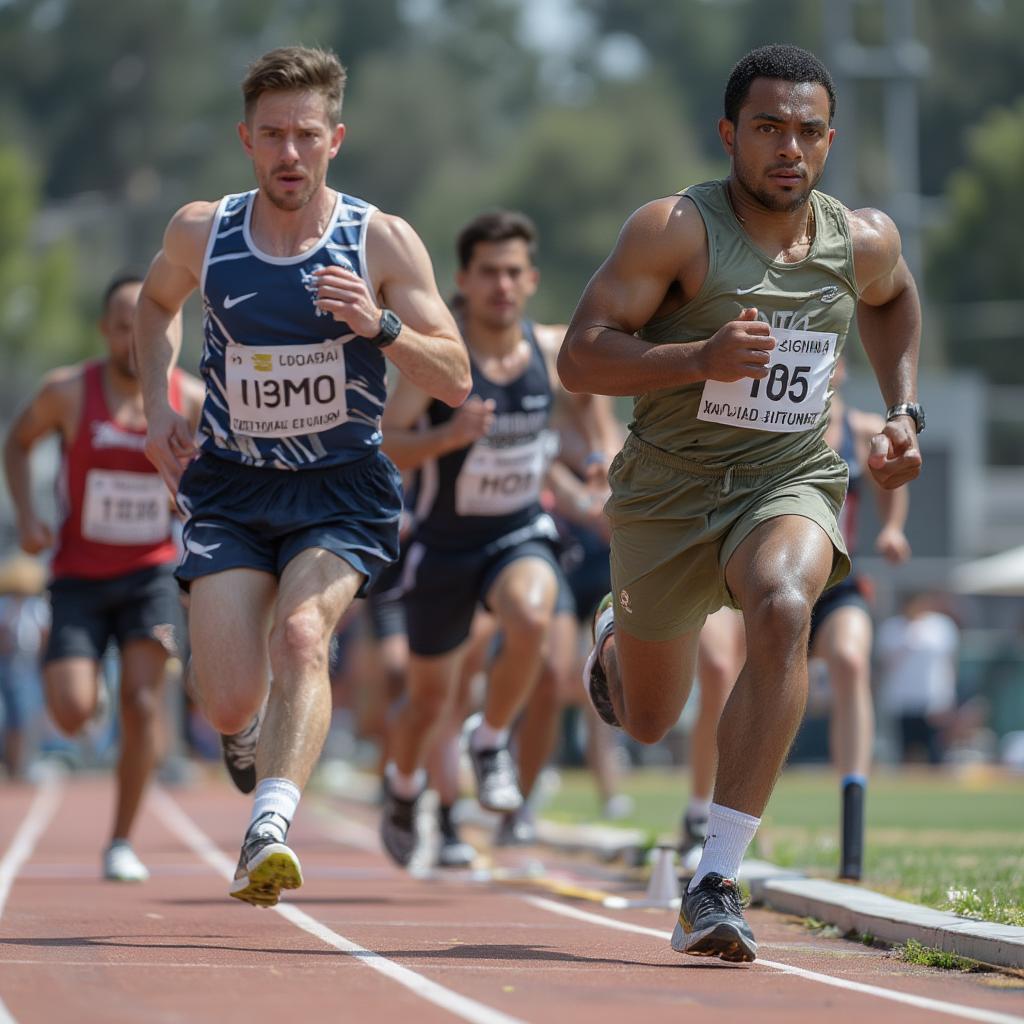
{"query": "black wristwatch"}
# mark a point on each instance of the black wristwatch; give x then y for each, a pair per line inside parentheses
(912, 409)
(390, 328)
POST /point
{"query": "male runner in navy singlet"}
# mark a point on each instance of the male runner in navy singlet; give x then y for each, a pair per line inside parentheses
(481, 535)
(291, 508)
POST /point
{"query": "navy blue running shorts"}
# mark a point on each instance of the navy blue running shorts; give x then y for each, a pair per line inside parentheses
(585, 563)
(248, 517)
(444, 588)
(88, 614)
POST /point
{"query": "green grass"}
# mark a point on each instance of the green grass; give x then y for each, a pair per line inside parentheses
(914, 953)
(950, 841)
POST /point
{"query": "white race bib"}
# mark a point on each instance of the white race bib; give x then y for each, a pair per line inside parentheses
(499, 481)
(125, 508)
(284, 390)
(791, 398)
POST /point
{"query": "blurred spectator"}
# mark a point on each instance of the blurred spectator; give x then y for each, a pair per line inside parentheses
(917, 651)
(24, 621)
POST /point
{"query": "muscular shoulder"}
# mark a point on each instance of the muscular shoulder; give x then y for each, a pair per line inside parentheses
(63, 385)
(56, 405)
(391, 242)
(188, 233)
(670, 228)
(876, 245)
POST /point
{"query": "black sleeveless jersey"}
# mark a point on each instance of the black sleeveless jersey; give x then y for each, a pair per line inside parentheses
(477, 495)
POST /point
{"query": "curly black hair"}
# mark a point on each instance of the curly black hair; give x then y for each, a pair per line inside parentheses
(780, 60)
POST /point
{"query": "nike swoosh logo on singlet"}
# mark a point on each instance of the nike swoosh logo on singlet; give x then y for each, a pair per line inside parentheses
(229, 302)
(739, 291)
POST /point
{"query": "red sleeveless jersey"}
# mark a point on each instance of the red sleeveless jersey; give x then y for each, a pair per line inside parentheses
(117, 514)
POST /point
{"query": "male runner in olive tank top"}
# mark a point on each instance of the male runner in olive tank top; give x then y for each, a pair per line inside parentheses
(723, 310)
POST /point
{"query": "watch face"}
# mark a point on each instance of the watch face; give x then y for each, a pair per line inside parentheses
(390, 325)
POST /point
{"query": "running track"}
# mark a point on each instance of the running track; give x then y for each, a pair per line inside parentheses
(364, 941)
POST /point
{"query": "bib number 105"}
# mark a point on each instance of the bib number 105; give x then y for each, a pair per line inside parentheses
(783, 382)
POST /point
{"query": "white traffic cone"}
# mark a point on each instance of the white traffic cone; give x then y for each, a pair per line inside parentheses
(662, 886)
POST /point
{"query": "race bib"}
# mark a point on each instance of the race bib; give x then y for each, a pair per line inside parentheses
(791, 398)
(284, 390)
(125, 508)
(499, 481)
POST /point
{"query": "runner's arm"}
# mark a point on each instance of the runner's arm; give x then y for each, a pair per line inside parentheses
(576, 501)
(410, 446)
(660, 244)
(893, 505)
(588, 413)
(172, 277)
(428, 350)
(52, 409)
(889, 321)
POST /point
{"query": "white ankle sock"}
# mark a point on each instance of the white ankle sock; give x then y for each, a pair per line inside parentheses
(406, 787)
(729, 835)
(277, 795)
(486, 737)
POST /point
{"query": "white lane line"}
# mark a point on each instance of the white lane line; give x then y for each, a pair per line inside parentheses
(468, 1009)
(922, 1002)
(40, 814)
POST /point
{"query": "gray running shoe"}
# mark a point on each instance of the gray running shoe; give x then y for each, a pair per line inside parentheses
(398, 830)
(497, 784)
(516, 829)
(239, 750)
(711, 922)
(266, 864)
(595, 682)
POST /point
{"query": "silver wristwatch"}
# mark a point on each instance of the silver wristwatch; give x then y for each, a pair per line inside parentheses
(912, 409)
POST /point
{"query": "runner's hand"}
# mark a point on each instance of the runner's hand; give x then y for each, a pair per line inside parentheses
(34, 536)
(892, 544)
(894, 458)
(739, 349)
(345, 296)
(169, 445)
(470, 421)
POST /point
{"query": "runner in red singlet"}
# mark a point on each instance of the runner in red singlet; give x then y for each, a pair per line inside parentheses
(111, 575)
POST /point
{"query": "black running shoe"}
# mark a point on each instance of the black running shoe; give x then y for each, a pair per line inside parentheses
(497, 784)
(239, 750)
(852, 857)
(595, 682)
(453, 851)
(266, 864)
(398, 827)
(711, 922)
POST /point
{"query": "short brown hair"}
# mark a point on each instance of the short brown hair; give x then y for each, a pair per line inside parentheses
(292, 68)
(495, 226)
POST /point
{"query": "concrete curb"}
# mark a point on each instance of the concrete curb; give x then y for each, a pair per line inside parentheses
(851, 908)
(848, 907)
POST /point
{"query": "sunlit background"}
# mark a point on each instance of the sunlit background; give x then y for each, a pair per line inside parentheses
(116, 112)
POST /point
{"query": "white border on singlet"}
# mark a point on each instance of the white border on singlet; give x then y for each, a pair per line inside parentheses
(212, 240)
(364, 264)
(288, 261)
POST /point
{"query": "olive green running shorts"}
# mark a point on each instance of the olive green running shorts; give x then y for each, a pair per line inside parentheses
(676, 523)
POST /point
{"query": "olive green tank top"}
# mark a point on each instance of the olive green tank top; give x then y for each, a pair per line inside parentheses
(809, 306)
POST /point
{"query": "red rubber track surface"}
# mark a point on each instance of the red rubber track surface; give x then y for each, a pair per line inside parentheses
(176, 948)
